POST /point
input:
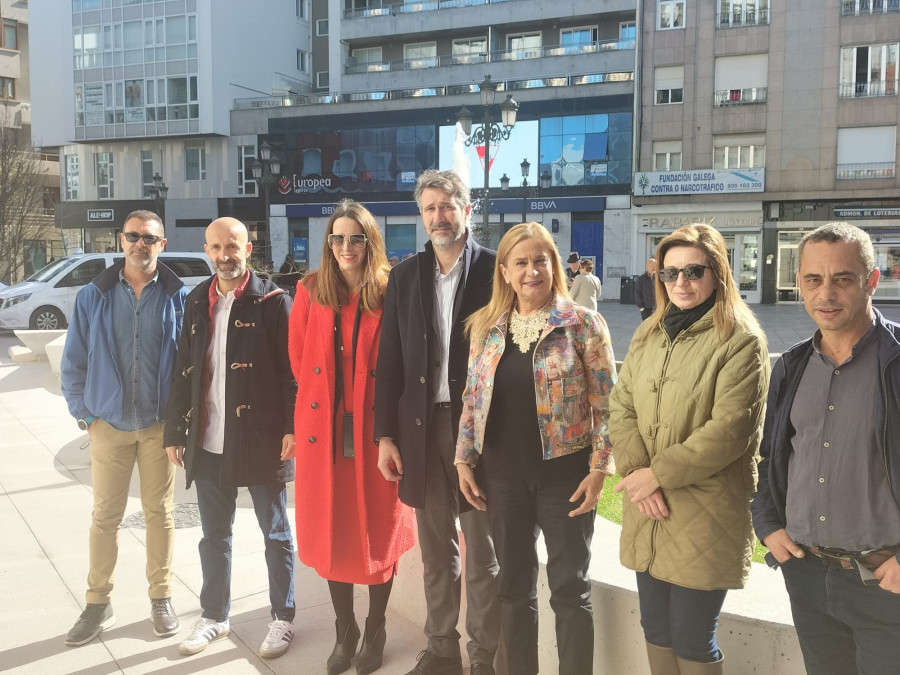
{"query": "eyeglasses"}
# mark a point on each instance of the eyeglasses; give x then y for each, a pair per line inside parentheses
(149, 239)
(337, 240)
(691, 273)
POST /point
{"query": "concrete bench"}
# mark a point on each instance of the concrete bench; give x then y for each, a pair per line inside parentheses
(20, 354)
(36, 340)
(54, 350)
(756, 632)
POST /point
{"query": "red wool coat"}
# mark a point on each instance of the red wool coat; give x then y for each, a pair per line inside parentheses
(387, 525)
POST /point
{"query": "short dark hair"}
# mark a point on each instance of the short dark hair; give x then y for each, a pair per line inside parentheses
(838, 231)
(149, 216)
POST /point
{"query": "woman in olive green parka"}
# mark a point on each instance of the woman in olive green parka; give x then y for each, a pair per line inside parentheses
(685, 425)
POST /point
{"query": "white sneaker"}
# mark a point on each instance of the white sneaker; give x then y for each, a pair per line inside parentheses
(203, 632)
(278, 640)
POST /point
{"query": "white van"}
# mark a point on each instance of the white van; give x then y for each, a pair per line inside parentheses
(44, 301)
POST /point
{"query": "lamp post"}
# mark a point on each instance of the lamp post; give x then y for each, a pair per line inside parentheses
(263, 169)
(158, 193)
(527, 189)
(489, 132)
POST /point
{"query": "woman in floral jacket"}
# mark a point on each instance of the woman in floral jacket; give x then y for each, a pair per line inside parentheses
(534, 420)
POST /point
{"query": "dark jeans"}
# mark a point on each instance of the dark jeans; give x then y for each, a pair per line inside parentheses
(844, 626)
(683, 619)
(519, 510)
(217, 508)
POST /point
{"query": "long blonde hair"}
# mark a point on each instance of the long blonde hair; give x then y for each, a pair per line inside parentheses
(503, 297)
(327, 285)
(730, 311)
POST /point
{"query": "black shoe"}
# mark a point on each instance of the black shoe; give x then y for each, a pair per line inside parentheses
(344, 649)
(93, 620)
(162, 614)
(371, 653)
(430, 663)
(481, 669)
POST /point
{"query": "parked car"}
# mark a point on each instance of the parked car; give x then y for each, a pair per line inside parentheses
(44, 301)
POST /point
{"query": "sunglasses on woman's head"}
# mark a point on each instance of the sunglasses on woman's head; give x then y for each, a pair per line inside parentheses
(149, 239)
(691, 273)
(337, 240)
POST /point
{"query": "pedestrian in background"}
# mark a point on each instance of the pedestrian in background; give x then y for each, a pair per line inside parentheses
(586, 287)
(645, 290)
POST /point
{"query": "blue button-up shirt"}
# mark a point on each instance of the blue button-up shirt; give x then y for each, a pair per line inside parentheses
(138, 335)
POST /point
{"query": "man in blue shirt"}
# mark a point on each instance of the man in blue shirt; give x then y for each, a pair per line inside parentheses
(116, 373)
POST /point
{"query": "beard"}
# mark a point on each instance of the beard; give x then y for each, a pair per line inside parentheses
(444, 233)
(229, 270)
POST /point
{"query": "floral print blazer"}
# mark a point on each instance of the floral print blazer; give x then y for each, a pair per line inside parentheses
(574, 372)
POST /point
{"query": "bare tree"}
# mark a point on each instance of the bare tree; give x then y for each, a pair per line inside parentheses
(22, 179)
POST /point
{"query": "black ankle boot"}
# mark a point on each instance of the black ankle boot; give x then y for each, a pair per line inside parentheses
(372, 651)
(344, 649)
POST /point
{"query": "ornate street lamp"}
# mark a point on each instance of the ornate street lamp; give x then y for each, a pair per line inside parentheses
(263, 172)
(158, 193)
(490, 132)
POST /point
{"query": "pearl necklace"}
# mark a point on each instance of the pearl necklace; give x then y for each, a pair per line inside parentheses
(527, 329)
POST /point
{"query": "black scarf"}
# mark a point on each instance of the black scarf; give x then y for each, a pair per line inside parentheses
(676, 320)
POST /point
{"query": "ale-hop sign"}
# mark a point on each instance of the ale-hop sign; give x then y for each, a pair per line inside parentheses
(101, 215)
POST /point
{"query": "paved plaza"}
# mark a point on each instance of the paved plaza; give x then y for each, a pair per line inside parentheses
(45, 507)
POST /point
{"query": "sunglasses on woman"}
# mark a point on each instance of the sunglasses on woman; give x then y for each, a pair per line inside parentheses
(337, 240)
(691, 273)
(149, 239)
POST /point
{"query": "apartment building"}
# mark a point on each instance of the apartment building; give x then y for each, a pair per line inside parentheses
(766, 120)
(388, 80)
(26, 206)
(131, 91)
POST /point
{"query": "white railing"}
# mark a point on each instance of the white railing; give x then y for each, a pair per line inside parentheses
(867, 89)
(863, 7)
(750, 17)
(869, 170)
(729, 97)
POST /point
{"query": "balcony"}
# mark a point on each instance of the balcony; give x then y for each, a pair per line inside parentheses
(353, 68)
(868, 89)
(393, 9)
(731, 97)
(863, 7)
(291, 100)
(869, 170)
(751, 17)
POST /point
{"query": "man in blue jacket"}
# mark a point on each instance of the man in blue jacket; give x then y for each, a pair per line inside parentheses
(116, 373)
(828, 506)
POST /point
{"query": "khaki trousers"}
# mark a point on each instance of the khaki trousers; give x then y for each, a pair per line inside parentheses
(113, 456)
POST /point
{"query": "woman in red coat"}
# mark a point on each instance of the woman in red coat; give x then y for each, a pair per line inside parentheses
(351, 526)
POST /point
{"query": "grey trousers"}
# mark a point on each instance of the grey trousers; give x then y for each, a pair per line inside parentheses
(439, 542)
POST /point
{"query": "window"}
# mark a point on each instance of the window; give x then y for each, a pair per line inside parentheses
(524, 46)
(321, 27)
(182, 95)
(420, 55)
(10, 38)
(104, 175)
(195, 163)
(743, 12)
(627, 31)
(867, 152)
(246, 183)
(739, 152)
(741, 79)
(671, 14)
(302, 9)
(869, 70)
(368, 59)
(470, 50)
(72, 177)
(7, 88)
(669, 85)
(322, 79)
(857, 7)
(302, 61)
(667, 156)
(400, 240)
(574, 40)
(147, 171)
